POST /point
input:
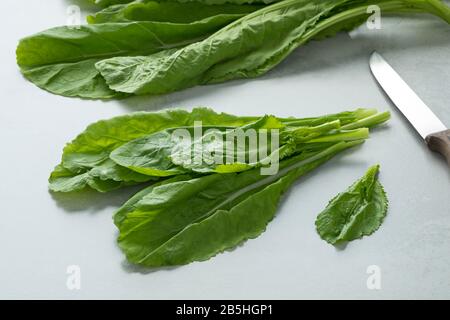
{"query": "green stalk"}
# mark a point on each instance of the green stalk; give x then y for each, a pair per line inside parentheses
(357, 134)
(438, 8)
(364, 113)
(369, 121)
(298, 161)
(322, 128)
(435, 7)
(303, 134)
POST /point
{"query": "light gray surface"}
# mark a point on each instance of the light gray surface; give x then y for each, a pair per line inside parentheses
(41, 235)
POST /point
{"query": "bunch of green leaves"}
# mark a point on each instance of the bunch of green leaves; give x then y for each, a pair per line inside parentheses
(218, 149)
(128, 150)
(148, 47)
(191, 213)
(86, 160)
(186, 219)
(63, 60)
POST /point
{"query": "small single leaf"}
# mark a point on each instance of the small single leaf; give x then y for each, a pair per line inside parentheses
(357, 212)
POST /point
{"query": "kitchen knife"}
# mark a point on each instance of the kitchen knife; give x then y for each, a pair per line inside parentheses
(435, 133)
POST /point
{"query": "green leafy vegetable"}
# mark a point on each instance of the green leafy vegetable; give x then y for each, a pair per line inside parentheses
(194, 219)
(153, 154)
(162, 154)
(132, 149)
(149, 47)
(62, 60)
(357, 212)
(248, 47)
(85, 161)
(191, 213)
(105, 3)
(173, 12)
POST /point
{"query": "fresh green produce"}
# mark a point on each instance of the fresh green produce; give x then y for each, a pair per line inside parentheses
(145, 47)
(173, 12)
(87, 160)
(159, 154)
(192, 212)
(247, 48)
(62, 60)
(357, 212)
(189, 220)
(105, 3)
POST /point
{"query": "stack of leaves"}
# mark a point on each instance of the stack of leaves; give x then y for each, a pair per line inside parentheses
(147, 47)
(192, 211)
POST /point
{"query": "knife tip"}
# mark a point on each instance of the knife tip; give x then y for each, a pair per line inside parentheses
(375, 58)
(374, 55)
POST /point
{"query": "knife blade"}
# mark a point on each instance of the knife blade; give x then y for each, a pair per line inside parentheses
(427, 124)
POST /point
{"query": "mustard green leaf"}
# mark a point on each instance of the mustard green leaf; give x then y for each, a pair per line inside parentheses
(136, 148)
(192, 220)
(151, 155)
(63, 180)
(357, 212)
(173, 12)
(156, 154)
(106, 3)
(131, 204)
(62, 60)
(85, 160)
(163, 154)
(248, 47)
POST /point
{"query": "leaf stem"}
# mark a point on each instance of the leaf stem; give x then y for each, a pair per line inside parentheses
(435, 7)
(357, 134)
(368, 122)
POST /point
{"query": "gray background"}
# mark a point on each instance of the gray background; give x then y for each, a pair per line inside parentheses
(41, 234)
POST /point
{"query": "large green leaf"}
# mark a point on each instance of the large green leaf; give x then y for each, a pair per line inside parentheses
(194, 219)
(218, 149)
(173, 12)
(85, 161)
(62, 60)
(153, 154)
(248, 47)
(106, 3)
(357, 212)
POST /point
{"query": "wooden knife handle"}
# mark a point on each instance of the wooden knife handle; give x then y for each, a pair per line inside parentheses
(440, 142)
